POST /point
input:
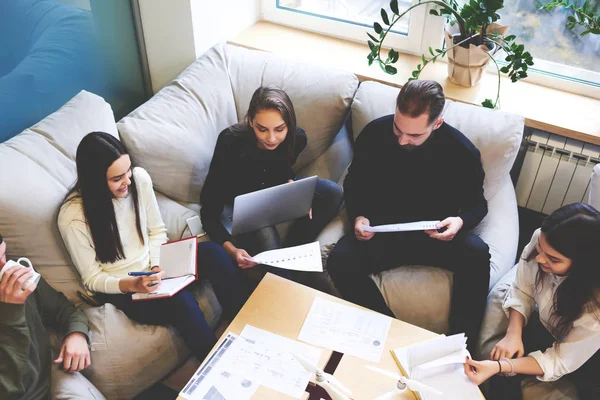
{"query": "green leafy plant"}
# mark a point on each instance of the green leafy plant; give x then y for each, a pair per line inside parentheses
(473, 20)
(583, 15)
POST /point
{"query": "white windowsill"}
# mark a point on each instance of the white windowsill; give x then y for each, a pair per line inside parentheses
(552, 110)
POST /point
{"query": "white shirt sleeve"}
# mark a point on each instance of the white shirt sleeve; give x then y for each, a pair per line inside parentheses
(157, 232)
(581, 343)
(520, 296)
(81, 248)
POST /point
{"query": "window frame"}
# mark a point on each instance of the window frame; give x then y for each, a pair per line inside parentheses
(426, 31)
(357, 32)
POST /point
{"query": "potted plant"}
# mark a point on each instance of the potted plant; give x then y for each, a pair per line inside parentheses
(477, 40)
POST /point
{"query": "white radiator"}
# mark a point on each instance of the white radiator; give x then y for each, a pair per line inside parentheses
(556, 171)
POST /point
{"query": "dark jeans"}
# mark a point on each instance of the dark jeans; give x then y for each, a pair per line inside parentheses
(536, 337)
(327, 201)
(182, 311)
(352, 261)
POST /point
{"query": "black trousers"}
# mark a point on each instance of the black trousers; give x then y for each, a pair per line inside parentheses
(326, 204)
(536, 337)
(352, 261)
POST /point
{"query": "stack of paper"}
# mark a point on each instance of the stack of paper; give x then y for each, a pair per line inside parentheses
(439, 363)
(257, 357)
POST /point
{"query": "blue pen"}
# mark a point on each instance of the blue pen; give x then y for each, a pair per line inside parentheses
(141, 273)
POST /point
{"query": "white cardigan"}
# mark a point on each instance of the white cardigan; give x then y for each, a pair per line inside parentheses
(105, 277)
(582, 341)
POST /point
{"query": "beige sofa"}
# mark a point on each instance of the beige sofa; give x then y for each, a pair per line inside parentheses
(173, 136)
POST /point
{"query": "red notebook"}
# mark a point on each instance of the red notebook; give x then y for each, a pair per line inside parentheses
(178, 260)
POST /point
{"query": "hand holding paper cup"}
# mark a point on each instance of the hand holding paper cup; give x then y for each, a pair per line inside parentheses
(10, 263)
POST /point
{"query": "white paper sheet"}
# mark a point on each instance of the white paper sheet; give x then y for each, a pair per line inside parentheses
(178, 258)
(439, 363)
(346, 329)
(166, 288)
(269, 356)
(306, 257)
(220, 378)
(409, 226)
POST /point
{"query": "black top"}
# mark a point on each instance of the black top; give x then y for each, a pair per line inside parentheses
(441, 178)
(238, 167)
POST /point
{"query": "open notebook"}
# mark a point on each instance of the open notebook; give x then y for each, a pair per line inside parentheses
(178, 260)
(439, 363)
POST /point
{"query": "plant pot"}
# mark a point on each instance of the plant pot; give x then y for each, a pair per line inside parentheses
(465, 65)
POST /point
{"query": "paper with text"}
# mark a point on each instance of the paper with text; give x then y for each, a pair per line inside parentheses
(406, 227)
(306, 257)
(219, 377)
(439, 363)
(346, 329)
(166, 288)
(269, 357)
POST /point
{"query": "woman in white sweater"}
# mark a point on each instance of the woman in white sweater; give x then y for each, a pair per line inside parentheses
(559, 274)
(111, 225)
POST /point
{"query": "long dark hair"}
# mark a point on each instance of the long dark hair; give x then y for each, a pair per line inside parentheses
(271, 98)
(573, 231)
(95, 154)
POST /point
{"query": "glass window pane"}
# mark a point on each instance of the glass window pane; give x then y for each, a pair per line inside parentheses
(555, 49)
(359, 12)
(52, 49)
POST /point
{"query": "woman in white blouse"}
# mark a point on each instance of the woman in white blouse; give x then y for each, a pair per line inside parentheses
(111, 225)
(559, 273)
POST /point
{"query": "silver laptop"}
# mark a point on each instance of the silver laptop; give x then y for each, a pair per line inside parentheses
(270, 206)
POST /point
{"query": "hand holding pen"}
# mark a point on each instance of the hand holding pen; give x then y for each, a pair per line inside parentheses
(146, 281)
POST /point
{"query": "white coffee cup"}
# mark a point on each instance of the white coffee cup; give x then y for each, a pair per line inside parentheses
(10, 263)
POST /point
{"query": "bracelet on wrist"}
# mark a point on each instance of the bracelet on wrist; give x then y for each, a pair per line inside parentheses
(512, 367)
(500, 366)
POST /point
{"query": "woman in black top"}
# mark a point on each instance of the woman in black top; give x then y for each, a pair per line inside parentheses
(258, 154)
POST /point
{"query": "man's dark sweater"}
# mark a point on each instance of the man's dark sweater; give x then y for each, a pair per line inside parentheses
(25, 354)
(441, 178)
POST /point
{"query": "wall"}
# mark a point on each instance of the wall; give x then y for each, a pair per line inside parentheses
(52, 49)
(176, 32)
(217, 21)
(168, 37)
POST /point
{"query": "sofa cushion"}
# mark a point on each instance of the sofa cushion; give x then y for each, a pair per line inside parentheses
(321, 96)
(39, 170)
(496, 134)
(173, 134)
(174, 215)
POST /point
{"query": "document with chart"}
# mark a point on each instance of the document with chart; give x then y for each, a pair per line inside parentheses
(242, 363)
(346, 329)
(306, 257)
(219, 378)
(406, 227)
